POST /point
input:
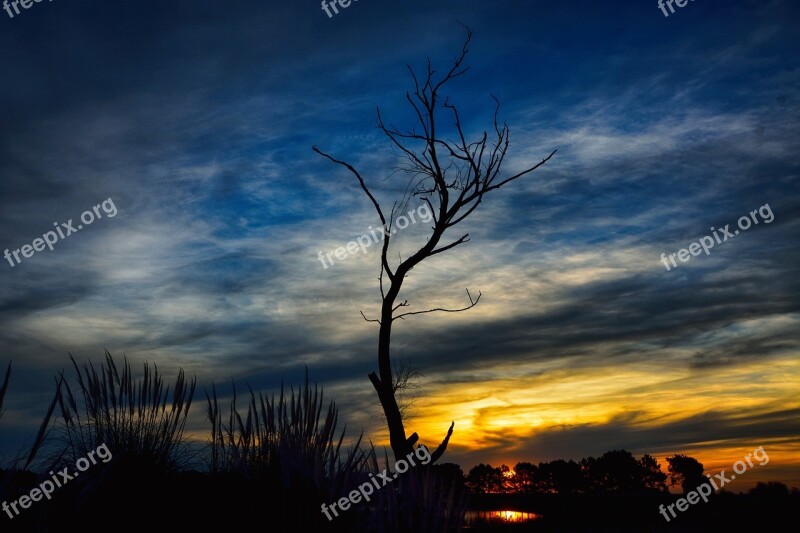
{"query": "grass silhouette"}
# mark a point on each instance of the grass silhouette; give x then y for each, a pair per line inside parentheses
(275, 459)
(134, 418)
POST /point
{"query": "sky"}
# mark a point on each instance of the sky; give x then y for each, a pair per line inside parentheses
(190, 126)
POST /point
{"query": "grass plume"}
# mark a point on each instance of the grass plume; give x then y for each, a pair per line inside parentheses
(136, 418)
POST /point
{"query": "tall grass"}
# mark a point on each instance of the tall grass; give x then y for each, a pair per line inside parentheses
(40, 436)
(4, 388)
(4, 478)
(425, 498)
(12, 478)
(290, 440)
(135, 418)
(278, 456)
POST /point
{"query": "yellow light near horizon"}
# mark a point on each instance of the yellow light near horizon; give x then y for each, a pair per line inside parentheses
(514, 516)
(641, 394)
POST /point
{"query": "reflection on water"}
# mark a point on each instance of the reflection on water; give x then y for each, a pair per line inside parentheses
(474, 517)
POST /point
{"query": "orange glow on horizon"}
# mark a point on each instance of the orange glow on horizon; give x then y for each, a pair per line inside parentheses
(514, 405)
(502, 516)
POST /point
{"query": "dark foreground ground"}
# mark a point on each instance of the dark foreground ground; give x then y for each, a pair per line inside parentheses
(591, 513)
(131, 498)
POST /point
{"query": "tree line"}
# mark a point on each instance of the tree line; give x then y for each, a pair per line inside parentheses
(616, 471)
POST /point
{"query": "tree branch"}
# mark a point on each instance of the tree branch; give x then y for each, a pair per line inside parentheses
(443, 446)
(472, 303)
(369, 319)
(366, 190)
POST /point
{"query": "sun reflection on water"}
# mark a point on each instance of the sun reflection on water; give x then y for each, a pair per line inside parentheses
(502, 516)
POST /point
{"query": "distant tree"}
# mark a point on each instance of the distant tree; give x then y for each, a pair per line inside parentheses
(524, 479)
(771, 490)
(614, 471)
(508, 481)
(451, 472)
(685, 471)
(653, 478)
(618, 471)
(452, 176)
(485, 479)
(563, 477)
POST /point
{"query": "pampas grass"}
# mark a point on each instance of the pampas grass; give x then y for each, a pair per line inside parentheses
(278, 456)
(287, 439)
(135, 418)
(425, 498)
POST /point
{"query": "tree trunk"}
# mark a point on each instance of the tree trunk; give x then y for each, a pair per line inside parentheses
(383, 385)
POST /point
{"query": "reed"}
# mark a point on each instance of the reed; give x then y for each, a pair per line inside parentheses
(4, 388)
(13, 478)
(290, 439)
(425, 498)
(136, 418)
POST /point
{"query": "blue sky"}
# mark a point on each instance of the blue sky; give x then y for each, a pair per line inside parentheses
(198, 118)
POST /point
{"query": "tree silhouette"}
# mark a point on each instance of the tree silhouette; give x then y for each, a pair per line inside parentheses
(524, 477)
(485, 479)
(685, 471)
(560, 476)
(451, 177)
(451, 473)
(771, 490)
(618, 471)
(653, 478)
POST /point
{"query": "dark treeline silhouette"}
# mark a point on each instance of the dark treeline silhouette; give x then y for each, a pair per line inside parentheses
(616, 471)
(618, 492)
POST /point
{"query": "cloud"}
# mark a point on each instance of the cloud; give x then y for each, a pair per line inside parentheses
(201, 132)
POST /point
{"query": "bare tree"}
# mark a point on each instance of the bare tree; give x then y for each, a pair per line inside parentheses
(451, 177)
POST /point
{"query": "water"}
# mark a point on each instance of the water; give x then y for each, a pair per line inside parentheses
(504, 517)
